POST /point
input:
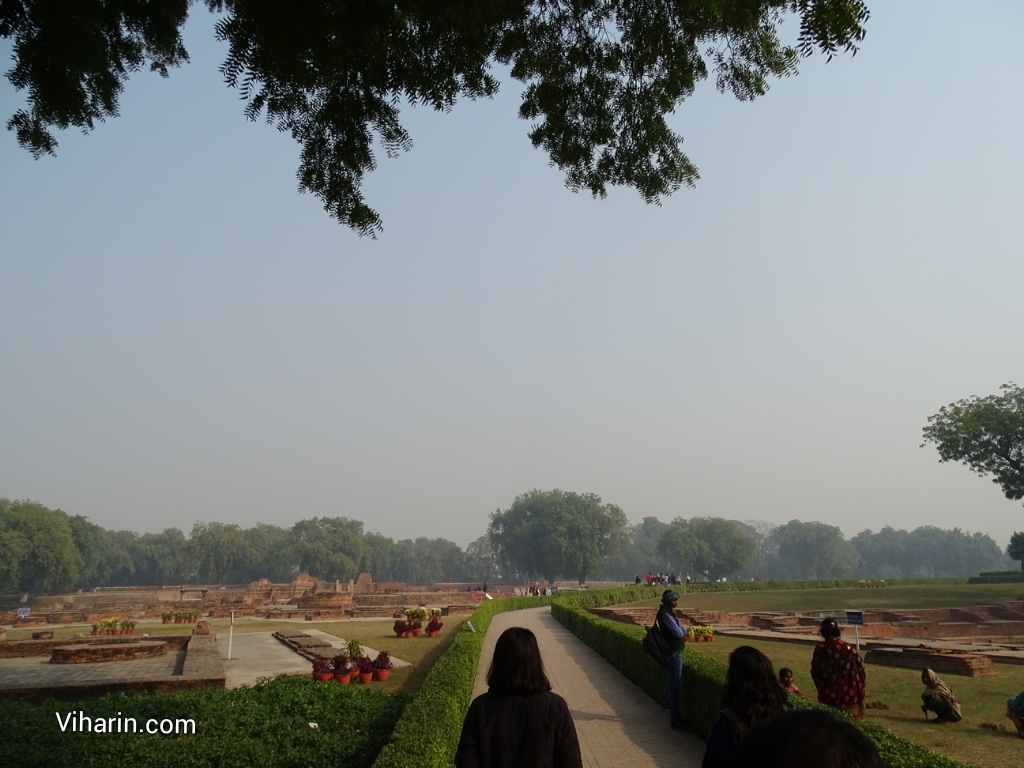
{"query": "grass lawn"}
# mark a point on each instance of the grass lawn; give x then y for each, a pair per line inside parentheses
(421, 652)
(952, 596)
(894, 702)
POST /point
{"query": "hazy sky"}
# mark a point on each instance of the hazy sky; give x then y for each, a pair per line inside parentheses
(184, 337)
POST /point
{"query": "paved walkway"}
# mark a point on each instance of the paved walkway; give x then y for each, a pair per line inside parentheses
(619, 726)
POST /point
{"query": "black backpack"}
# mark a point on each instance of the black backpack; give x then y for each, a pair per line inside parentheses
(656, 646)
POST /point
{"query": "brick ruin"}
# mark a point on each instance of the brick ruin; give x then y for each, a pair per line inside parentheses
(304, 597)
(1000, 624)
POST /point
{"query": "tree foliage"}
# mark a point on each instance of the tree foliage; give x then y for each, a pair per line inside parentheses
(814, 550)
(37, 549)
(599, 77)
(557, 533)
(711, 546)
(986, 434)
(924, 552)
(1015, 549)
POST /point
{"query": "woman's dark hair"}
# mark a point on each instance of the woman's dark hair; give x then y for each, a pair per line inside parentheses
(516, 667)
(784, 670)
(807, 737)
(829, 628)
(751, 689)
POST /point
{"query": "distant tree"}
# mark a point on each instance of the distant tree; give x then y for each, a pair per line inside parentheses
(219, 549)
(1015, 549)
(167, 558)
(37, 550)
(599, 77)
(814, 551)
(557, 533)
(328, 547)
(88, 539)
(759, 532)
(986, 434)
(640, 553)
(481, 560)
(378, 557)
(274, 555)
(711, 546)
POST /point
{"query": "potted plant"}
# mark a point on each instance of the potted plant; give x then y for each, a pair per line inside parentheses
(382, 666)
(434, 626)
(95, 629)
(166, 616)
(353, 649)
(401, 628)
(322, 670)
(365, 668)
(416, 617)
(342, 671)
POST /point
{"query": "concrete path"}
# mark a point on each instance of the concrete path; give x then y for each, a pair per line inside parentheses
(260, 654)
(619, 726)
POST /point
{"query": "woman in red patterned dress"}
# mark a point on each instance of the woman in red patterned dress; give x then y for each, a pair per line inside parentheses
(838, 672)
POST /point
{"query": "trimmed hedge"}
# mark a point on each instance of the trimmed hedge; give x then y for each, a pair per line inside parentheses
(267, 725)
(703, 678)
(757, 586)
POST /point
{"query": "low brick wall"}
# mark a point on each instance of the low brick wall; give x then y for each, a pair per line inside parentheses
(95, 653)
(22, 649)
(949, 663)
(202, 668)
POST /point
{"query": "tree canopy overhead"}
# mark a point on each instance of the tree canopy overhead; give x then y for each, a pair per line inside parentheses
(986, 434)
(599, 76)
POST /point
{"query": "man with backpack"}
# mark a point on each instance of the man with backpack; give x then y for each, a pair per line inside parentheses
(674, 635)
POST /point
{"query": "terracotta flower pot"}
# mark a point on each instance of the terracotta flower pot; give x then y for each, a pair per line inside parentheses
(343, 679)
(323, 677)
(381, 674)
(435, 633)
(365, 679)
(417, 632)
(408, 634)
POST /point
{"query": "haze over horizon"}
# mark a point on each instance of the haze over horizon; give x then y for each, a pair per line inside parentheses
(186, 338)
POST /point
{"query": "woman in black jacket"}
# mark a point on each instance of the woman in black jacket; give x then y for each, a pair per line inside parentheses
(519, 721)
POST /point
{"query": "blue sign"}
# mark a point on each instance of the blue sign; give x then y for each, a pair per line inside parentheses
(855, 618)
(23, 613)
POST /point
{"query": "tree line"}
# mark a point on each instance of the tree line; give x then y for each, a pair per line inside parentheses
(542, 535)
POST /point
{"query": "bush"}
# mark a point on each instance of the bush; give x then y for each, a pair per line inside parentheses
(266, 725)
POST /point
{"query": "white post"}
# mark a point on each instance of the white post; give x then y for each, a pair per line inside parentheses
(856, 634)
(231, 634)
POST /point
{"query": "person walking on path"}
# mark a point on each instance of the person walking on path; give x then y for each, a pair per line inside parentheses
(519, 721)
(618, 725)
(669, 627)
(838, 672)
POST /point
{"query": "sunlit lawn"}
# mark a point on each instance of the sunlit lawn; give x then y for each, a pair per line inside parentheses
(421, 652)
(847, 599)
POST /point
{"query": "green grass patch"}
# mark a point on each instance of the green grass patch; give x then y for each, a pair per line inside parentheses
(266, 725)
(845, 598)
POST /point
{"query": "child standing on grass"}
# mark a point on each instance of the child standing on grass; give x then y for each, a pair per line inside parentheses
(1015, 711)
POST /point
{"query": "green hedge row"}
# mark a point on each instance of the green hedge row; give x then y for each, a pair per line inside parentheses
(756, 586)
(998, 577)
(703, 678)
(287, 722)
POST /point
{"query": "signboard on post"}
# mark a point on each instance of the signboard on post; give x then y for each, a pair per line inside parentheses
(23, 613)
(856, 619)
